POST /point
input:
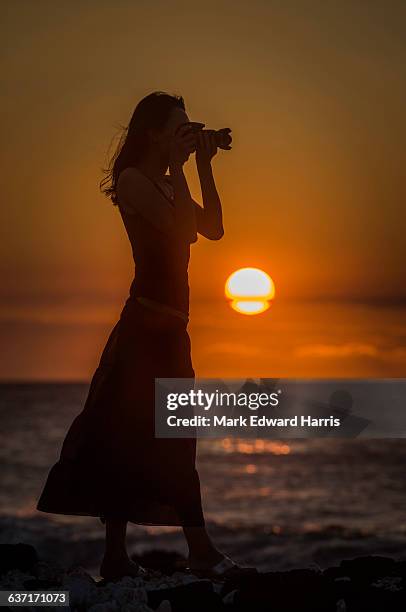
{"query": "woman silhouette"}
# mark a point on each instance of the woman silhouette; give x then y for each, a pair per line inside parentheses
(111, 465)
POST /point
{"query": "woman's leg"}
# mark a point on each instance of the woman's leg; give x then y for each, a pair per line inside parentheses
(202, 552)
(116, 561)
(115, 539)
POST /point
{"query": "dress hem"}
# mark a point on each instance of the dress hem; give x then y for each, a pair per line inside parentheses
(130, 520)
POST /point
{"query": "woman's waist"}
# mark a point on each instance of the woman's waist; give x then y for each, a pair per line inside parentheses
(161, 307)
(143, 315)
(163, 295)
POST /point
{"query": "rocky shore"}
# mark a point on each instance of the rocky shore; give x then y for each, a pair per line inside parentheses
(363, 584)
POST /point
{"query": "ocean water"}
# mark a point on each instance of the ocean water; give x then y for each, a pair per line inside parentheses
(278, 504)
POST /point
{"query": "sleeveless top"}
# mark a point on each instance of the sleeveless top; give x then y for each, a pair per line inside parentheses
(161, 262)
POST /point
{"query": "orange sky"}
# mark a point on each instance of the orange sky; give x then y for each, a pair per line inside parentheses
(313, 190)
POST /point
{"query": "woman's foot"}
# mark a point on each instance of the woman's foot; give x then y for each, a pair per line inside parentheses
(112, 568)
(217, 566)
(205, 561)
(204, 558)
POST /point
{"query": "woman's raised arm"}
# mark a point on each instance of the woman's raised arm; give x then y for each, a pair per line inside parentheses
(209, 218)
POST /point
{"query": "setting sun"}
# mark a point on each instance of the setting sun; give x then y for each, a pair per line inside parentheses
(250, 290)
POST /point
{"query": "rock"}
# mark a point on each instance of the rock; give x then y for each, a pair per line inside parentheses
(368, 567)
(197, 597)
(164, 606)
(35, 584)
(229, 599)
(14, 580)
(375, 600)
(370, 584)
(109, 606)
(17, 556)
(293, 591)
(364, 584)
(47, 572)
(391, 583)
(82, 588)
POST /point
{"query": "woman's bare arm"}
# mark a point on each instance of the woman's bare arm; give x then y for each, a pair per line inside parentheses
(184, 211)
(209, 218)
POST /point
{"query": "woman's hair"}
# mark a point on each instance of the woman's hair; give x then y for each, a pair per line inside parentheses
(152, 112)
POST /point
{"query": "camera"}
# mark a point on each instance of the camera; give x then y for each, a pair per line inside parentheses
(223, 138)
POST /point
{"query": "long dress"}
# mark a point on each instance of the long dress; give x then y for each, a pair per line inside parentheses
(110, 464)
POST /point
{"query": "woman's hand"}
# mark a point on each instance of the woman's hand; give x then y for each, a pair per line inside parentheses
(182, 145)
(206, 147)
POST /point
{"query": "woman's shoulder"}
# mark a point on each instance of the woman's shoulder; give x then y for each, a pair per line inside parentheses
(131, 180)
(138, 194)
(131, 189)
(130, 174)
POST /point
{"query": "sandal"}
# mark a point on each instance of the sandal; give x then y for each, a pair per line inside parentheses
(226, 568)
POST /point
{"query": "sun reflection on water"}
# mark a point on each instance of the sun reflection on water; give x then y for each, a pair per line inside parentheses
(255, 447)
